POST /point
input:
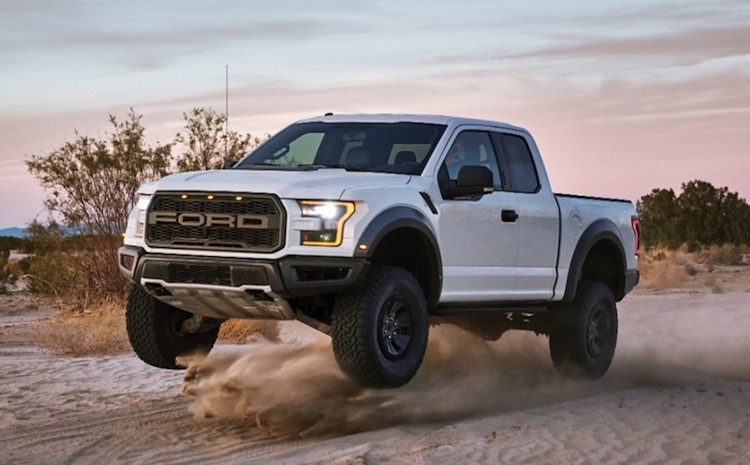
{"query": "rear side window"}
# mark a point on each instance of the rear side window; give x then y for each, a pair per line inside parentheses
(519, 162)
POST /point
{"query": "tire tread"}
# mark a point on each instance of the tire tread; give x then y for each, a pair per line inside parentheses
(353, 344)
(150, 339)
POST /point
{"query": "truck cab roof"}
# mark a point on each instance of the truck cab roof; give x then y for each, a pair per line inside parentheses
(410, 118)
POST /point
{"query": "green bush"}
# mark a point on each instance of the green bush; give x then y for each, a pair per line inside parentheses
(54, 273)
(698, 216)
(7, 276)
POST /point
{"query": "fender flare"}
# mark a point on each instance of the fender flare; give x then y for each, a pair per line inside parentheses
(404, 217)
(603, 229)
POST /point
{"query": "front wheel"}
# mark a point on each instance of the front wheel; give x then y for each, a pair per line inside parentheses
(156, 334)
(584, 333)
(379, 331)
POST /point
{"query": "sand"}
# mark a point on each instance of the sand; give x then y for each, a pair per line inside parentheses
(678, 391)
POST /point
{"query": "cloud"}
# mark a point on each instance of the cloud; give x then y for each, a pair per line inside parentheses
(632, 36)
(692, 45)
(148, 35)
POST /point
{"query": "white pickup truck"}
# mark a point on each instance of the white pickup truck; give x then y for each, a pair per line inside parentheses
(367, 227)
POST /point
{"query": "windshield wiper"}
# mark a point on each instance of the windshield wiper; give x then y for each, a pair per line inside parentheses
(265, 165)
(335, 166)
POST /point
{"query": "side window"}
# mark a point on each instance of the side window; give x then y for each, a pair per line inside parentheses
(518, 159)
(472, 148)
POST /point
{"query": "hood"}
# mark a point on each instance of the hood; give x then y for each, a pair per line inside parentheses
(318, 184)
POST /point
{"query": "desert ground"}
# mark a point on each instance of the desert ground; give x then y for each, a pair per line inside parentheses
(678, 391)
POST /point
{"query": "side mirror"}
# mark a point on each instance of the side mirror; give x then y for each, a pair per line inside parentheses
(229, 164)
(473, 180)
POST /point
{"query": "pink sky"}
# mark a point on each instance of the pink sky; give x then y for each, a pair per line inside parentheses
(622, 98)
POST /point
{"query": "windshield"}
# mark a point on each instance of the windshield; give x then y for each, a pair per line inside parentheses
(377, 147)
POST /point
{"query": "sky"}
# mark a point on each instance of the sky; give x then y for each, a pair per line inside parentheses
(622, 97)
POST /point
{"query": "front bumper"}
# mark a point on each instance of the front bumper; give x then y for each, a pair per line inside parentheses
(238, 288)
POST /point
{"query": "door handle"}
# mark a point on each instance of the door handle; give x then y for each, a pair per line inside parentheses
(509, 216)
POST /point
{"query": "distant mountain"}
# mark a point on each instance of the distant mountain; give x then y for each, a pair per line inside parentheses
(13, 232)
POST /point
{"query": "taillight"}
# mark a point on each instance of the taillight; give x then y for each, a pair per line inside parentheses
(635, 223)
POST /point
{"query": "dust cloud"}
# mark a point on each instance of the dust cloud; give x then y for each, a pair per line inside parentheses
(297, 388)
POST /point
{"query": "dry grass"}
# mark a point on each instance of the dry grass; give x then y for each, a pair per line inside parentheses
(715, 269)
(664, 269)
(96, 330)
(235, 330)
(727, 254)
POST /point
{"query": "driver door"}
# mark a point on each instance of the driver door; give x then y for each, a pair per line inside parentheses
(478, 236)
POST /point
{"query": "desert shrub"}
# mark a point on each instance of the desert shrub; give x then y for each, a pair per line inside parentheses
(664, 275)
(237, 330)
(8, 243)
(206, 144)
(96, 330)
(663, 269)
(63, 265)
(726, 254)
(91, 185)
(53, 268)
(7, 276)
(54, 274)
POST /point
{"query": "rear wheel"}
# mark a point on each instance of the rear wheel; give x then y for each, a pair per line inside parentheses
(584, 333)
(379, 331)
(156, 334)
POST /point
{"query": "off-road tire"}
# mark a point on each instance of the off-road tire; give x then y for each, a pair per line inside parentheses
(154, 331)
(583, 335)
(390, 302)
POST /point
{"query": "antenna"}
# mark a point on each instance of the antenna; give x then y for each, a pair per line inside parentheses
(226, 111)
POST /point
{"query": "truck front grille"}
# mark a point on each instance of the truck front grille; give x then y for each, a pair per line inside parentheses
(199, 274)
(252, 223)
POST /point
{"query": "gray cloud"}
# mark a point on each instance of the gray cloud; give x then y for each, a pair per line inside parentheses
(674, 33)
(148, 35)
(693, 44)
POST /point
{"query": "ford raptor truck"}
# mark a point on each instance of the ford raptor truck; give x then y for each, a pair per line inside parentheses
(372, 228)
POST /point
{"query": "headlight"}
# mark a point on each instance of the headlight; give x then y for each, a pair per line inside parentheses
(329, 230)
(140, 213)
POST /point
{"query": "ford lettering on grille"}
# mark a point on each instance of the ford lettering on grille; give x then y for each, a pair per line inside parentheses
(228, 221)
(210, 219)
